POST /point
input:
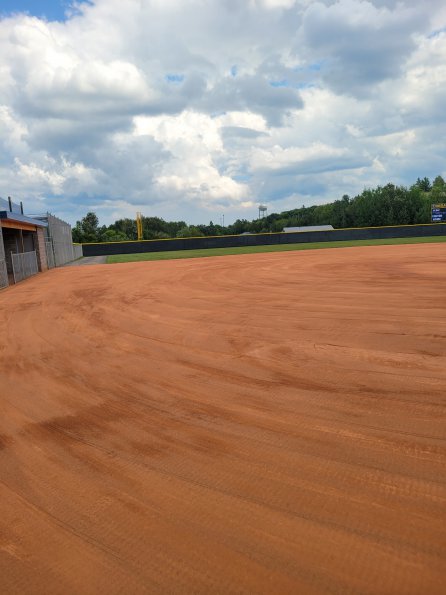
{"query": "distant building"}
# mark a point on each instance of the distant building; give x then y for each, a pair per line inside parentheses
(308, 228)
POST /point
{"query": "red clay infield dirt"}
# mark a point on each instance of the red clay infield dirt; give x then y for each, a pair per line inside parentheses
(269, 423)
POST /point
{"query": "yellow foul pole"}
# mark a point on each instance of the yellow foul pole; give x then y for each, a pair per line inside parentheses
(139, 225)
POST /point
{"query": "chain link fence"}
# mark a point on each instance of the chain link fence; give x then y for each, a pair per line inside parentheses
(4, 282)
(59, 242)
(59, 233)
(59, 253)
(51, 262)
(77, 251)
(63, 252)
(24, 265)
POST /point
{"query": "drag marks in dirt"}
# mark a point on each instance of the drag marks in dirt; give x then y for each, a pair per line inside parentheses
(248, 424)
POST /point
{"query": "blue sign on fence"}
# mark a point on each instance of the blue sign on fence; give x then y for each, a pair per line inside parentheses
(439, 213)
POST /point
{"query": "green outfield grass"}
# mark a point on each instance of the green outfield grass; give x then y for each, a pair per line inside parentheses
(205, 252)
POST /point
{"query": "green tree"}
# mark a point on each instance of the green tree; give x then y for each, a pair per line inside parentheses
(438, 192)
(78, 237)
(424, 184)
(90, 227)
(111, 235)
(87, 229)
(239, 226)
(383, 205)
(340, 216)
(189, 231)
(126, 226)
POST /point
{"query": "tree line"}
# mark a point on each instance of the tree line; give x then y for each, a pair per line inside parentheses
(383, 205)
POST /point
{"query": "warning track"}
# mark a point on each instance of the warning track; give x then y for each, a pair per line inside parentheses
(268, 423)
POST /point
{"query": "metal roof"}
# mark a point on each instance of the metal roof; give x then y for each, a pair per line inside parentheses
(4, 206)
(21, 218)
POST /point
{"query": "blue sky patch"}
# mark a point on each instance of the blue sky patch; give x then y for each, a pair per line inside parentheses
(315, 67)
(437, 32)
(307, 85)
(51, 10)
(175, 79)
(282, 83)
(242, 177)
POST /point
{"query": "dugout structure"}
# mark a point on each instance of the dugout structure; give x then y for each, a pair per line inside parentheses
(32, 243)
(22, 244)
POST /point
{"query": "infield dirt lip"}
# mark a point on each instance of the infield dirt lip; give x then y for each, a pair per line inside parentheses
(268, 423)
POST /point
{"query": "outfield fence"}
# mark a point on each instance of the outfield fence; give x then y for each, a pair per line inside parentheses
(265, 239)
(24, 265)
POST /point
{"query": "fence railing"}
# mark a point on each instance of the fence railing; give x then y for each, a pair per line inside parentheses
(24, 264)
(3, 274)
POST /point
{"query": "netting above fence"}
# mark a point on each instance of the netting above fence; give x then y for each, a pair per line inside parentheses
(24, 264)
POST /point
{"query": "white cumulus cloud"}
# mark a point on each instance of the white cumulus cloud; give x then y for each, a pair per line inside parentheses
(190, 109)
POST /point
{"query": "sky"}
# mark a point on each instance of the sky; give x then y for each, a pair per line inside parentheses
(195, 109)
(53, 10)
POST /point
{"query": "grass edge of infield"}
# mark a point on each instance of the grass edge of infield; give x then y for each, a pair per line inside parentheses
(209, 252)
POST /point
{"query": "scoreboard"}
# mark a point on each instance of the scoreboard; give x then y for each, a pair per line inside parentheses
(439, 213)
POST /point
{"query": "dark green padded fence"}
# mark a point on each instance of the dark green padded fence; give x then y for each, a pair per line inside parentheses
(262, 239)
